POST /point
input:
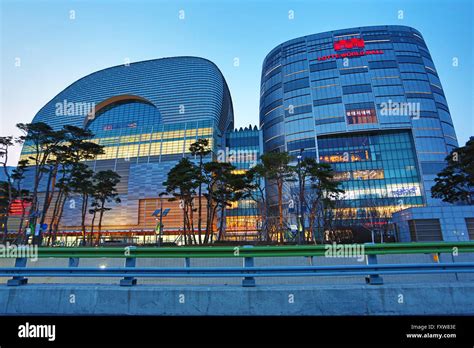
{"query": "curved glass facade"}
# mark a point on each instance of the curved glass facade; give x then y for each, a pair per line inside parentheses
(369, 101)
(146, 115)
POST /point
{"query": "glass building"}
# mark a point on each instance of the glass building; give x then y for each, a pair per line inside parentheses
(368, 101)
(146, 114)
(243, 147)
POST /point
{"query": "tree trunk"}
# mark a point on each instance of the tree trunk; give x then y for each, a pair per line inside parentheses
(280, 209)
(23, 213)
(39, 165)
(200, 203)
(91, 236)
(208, 217)
(57, 205)
(10, 196)
(85, 201)
(47, 196)
(61, 211)
(303, 208)
(184, 224)
(99, 228)
(58, 219)
(5, 222)
(34, 202)
(213, 214)
(221, 223)
(187, 239)
(190, 232)
(265, 221)
(191, 223)
(312, 218)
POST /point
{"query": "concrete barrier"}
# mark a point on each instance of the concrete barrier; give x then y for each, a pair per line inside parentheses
(390, 299)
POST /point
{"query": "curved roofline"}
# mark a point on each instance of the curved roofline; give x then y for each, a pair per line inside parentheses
(332, 31)
(104, 103)
(139, 62)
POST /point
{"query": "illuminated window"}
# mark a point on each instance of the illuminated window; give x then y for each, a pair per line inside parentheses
(344, 156)
(191, 133)
(173, 134)
(368, 174)
(155, 149)
(129, 139)
(204, 131)
(156, 136)
(342, 176)
(128, 151)
(145, 137)
(172, 147)
(144, 150)
(109, 153)
(242, 223)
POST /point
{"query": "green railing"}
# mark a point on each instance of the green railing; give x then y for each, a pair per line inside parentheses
(244, 251)
(249, 271)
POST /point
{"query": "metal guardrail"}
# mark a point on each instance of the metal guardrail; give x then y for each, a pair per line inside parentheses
(244, 251)
(248, 271)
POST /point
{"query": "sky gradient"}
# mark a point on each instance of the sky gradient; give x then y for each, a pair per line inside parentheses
(55, 50)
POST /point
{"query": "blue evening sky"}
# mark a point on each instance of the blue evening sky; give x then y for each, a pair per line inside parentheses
(54, 50)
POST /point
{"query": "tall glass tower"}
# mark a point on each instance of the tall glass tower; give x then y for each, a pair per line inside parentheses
(368, 101)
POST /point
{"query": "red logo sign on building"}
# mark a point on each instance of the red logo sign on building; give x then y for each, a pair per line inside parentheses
(349, 44)
(19, 207)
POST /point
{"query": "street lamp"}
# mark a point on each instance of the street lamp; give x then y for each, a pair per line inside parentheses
(300, 202)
